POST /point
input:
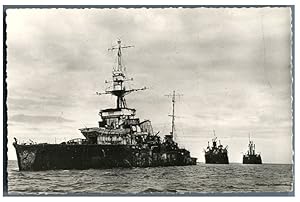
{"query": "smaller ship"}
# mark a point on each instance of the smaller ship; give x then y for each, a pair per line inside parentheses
(251, 157)
(217, 154)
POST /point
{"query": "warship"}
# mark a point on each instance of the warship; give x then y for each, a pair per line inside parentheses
(251, 157)
(216, 154)
(120, 139)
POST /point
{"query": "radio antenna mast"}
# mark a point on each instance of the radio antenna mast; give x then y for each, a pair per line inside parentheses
(173, 113)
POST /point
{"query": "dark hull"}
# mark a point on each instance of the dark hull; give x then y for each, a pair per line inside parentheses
(252, 159)
(219, 158)
(62, 156)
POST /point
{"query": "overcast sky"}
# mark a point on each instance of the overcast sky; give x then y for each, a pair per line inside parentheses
(232, 66)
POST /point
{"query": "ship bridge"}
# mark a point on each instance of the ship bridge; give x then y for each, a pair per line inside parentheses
(116, 112)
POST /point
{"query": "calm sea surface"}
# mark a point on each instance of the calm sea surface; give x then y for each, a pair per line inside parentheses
(201, 178)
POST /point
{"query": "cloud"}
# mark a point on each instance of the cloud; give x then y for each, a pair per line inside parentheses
(231, 64)
(31, 119)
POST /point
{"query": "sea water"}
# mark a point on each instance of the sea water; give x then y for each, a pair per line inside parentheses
(201, 178)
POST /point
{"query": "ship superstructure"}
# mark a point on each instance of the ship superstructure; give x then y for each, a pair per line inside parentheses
(120, 139)
(251, 157)
(118, 125)
(216, 154)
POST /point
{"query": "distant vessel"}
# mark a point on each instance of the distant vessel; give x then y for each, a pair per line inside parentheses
(216, 154)
(251, 157)
(120, 139)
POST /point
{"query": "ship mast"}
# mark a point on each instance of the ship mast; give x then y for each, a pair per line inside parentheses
(118, 79)
(214, 140)
(251, 147)
(172, 133)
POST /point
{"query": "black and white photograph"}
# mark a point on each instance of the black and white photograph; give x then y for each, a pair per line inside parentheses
(153, 101)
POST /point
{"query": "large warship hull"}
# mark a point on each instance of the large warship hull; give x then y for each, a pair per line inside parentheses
(252, 159)
(38, 157)
(219, 158)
